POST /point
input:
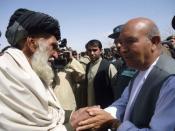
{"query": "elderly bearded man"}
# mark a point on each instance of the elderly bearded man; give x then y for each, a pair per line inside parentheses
(27, 102)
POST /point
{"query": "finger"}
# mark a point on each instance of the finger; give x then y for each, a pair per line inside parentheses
(97, 106)
(88, 121)
(94, 107)
(84, 127)
(93, 111)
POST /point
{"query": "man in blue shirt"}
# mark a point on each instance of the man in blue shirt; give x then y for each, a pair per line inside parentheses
(148, 103)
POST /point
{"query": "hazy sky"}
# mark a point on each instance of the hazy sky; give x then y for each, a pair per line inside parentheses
(83, 20)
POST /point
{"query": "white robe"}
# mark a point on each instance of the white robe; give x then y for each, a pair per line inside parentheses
(25, 103)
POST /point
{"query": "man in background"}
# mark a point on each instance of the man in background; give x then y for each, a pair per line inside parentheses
(99, 76)
(125, 73)
(67, 78)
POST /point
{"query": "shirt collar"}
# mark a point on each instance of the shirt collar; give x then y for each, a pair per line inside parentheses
(147, 71)
(95, 62)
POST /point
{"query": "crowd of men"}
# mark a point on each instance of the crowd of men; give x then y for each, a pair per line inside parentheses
(46, 86)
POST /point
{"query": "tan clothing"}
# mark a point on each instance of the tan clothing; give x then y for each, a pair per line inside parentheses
(67, 85)
(81, 86)
(25, 103)
(91, 75)
(84, 61)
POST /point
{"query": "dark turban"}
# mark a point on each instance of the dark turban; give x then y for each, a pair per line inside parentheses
(173, 22)
(25, 22)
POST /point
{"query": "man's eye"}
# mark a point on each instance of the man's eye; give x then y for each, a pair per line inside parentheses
(55, 46)
(94, 50)
(130, 40)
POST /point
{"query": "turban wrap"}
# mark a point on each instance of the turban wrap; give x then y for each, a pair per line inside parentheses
(25, 22)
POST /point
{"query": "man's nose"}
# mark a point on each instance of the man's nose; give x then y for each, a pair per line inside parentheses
(55, 54)
(91, 52)
(118, 45)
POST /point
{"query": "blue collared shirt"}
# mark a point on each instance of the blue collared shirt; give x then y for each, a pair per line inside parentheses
(163, 118)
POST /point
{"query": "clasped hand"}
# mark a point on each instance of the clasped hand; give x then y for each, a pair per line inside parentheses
(90, 118)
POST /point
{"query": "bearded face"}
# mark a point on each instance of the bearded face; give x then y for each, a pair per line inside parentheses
(40, 63)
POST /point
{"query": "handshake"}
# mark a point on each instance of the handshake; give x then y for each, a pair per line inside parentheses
(93, 118)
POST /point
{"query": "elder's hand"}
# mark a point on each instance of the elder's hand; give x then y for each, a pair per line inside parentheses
(80, 115)
(99, 120)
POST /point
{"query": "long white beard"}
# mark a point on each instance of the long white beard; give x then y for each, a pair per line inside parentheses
(40, 64)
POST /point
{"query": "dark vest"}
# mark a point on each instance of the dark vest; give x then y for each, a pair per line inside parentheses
(145, 103)
(102, 85)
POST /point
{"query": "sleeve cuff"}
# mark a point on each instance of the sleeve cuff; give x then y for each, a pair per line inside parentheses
(111, 110)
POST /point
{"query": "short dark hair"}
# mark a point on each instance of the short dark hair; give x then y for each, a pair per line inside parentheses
(94, 42)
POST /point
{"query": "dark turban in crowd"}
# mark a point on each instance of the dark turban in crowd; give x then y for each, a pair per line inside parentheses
(25, 23)
(173, 22)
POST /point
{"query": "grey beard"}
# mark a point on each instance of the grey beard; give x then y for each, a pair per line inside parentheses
(40, 64)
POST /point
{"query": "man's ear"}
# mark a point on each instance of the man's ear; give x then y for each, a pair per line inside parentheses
(31, 43)
(155, 40)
